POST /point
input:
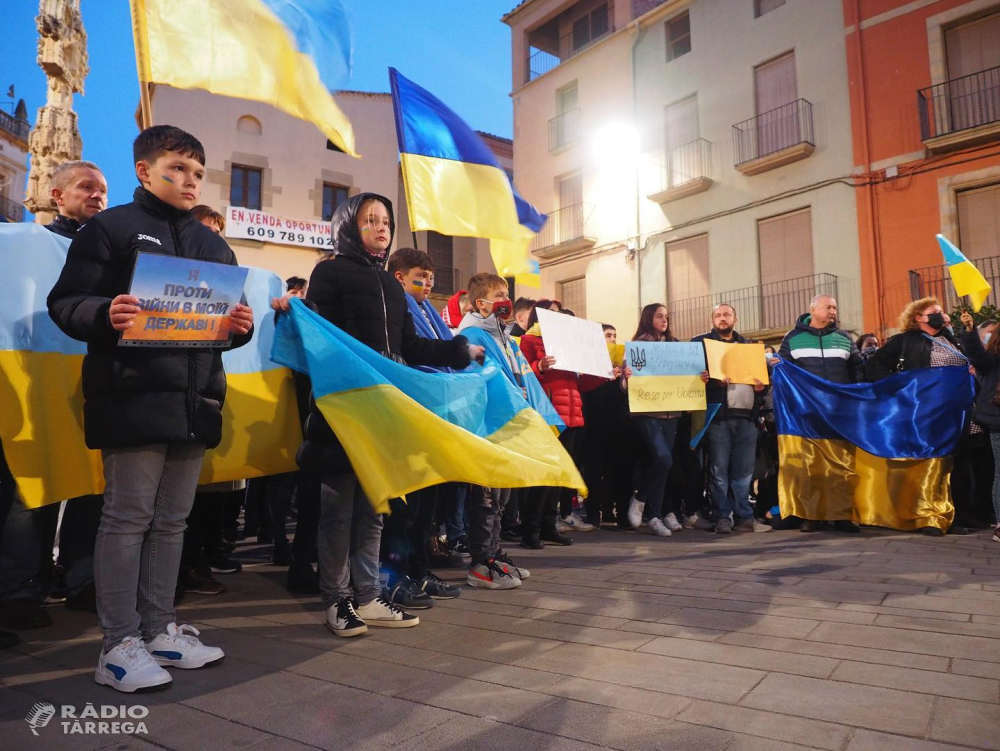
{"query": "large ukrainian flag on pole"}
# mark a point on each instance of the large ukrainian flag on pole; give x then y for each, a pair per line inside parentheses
(454, 183)
(285, 53)
(41, 397)
(968, 280)
(876, 453)
(404, 429)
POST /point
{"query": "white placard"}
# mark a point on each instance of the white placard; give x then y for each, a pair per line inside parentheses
(249, 224)
(577, 344)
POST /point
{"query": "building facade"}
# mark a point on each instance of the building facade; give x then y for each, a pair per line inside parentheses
(271, 166)
(927, 141)
(688, 152)
(14, 131)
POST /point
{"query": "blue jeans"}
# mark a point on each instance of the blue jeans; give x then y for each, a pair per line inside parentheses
(149, 494)
(658, 436)
(350, 534)
(453, 498)
(732, 451)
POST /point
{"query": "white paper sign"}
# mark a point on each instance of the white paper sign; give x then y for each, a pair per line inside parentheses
(249, 224)
(577, 344)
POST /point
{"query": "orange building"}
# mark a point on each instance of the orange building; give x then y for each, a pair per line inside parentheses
(925, 113)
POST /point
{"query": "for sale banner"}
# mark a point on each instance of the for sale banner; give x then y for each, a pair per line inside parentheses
(247, 224)
(184, 302)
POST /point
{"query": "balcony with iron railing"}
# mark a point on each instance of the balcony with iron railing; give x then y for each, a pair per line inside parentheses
(548, 49)
(935, 281)
(10, 210)
(763, 311)
(15, 126)
(960, 112)
(564, 130)
(680, 172)
(564, 232)
(774, 138)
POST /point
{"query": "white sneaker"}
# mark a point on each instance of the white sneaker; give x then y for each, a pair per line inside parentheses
(760, 526)
(576, 524)
(561, 526)
(635, 508)
(179, 647)
(690, 521)
(671, 523)
(658, 528)
(129, 668)
(383, 613)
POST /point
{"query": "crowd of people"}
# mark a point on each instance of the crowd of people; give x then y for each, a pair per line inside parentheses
(155, 535)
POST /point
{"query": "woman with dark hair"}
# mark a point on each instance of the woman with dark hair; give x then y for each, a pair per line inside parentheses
(867, 345)
(657, 430)
(985, 358)
(544, 506)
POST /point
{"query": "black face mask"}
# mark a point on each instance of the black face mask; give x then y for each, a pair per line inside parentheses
(936, 321)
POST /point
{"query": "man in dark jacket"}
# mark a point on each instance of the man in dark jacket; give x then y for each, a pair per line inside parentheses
(152, 411)
(818, 346)
(731, 436)
(80, 192)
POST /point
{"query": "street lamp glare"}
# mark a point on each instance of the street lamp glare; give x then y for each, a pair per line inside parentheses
(615, 144)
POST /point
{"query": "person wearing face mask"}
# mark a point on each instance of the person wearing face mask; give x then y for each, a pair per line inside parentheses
(351, 288)
(926, 341)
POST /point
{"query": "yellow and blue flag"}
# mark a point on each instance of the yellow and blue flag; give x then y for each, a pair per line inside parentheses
(289, 54)
(876, 453)
(455, 185)
(968, 280)
(404, 429)
(41, 421)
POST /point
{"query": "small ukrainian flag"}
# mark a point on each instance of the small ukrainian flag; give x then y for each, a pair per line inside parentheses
(968, 280)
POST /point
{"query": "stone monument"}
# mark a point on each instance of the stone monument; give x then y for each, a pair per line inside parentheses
(62, 54)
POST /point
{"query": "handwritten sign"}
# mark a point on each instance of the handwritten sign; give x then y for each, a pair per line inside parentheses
(577, 344)
(665, 358)
(740, 363)
(665, 394)
(248, 224)
(185, 303)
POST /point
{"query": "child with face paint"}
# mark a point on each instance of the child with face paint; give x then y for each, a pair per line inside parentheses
(491, 567)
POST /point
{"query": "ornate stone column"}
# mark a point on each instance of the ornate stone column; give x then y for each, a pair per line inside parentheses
(62, 54)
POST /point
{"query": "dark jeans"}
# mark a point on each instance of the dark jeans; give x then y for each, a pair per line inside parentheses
(658, 437)
(572, 440)
(406, 531)
(203, 535)
(452, 509)
(307, 523)
(972, 479)
(511, 512)
(484, 522)
(26, 551)
(77, 536)
(541, 506)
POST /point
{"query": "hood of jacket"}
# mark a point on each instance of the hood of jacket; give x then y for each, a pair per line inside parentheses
(347, 239)
(489, 325)
(802, 324)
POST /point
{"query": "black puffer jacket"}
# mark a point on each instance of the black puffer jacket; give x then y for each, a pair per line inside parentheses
(136, 396)
(353, 291)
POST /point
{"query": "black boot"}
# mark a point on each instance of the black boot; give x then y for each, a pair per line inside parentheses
(531, 541)
(550, 535)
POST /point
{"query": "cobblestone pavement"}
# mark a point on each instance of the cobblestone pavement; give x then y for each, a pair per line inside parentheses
(779, 641)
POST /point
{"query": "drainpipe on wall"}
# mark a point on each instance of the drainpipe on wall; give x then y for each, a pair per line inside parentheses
(637, 33)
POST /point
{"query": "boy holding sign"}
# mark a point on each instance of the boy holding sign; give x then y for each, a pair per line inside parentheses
(152, 411)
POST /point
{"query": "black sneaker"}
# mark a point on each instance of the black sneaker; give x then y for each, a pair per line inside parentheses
(555, 537)
(460, 548)
(302, 579)
(343, 620)
(510, 535)
(532, 542)
(23, 613)
(85, 599)
(406, 594)
(438, 589)
(200, 581)
(220, 564)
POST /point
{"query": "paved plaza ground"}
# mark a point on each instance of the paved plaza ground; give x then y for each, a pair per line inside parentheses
(774, 642)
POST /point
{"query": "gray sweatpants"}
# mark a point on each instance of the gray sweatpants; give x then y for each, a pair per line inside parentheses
(484, 511)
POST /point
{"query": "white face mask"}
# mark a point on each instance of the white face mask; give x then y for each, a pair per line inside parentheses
(986, 337)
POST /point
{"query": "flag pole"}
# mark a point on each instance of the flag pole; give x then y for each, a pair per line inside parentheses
(145, 106)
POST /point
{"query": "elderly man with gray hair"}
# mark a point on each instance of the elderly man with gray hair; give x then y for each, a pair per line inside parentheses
(818, 346)
(79, 191)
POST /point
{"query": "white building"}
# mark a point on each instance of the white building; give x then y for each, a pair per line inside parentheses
(14, 130)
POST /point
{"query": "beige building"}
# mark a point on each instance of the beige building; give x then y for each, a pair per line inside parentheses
(688, 151)
(281, 180)
(14, 130)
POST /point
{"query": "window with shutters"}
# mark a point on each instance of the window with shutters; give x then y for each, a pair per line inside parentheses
(786, 266)
(972, 50)
(687, 268)
(590, 27)
(774, 87)
(244, 187)
(979, 222)
(573, 295)
(760, 7)
(333, 196)
(441, 249)
(683, 159)
(678, 36)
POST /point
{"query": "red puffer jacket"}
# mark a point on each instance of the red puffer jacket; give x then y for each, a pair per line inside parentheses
(562, 387)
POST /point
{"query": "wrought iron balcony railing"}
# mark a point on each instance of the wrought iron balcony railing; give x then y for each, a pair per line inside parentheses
(564, 129)
(11, 210)
(773, 131)
(16, 126)
(935, 281)
(563, 226)
(683, 164)
(959, 104)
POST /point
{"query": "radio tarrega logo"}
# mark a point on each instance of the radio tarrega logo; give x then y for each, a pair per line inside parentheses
(39, 715)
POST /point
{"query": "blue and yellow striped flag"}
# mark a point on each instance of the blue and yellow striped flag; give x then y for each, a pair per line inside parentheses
(455, 185)
(41, 420)
(404, 429)
(876, 453)
(968, 280)
(286, 53)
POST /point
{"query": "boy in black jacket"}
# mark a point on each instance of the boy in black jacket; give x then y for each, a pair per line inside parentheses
(152, 411)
